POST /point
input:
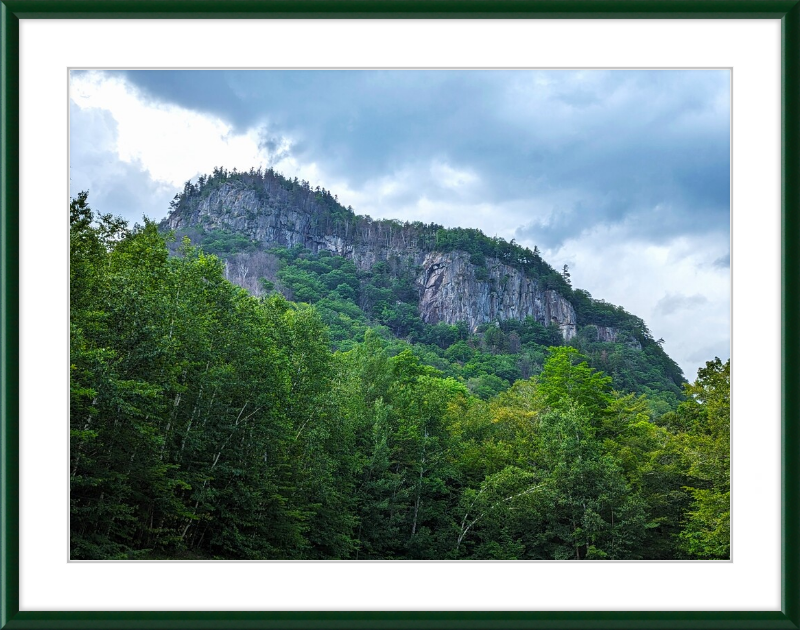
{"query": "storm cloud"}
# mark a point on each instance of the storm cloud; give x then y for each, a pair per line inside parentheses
(648, 150)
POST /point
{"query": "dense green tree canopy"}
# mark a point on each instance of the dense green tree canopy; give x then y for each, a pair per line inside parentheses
(208, 423)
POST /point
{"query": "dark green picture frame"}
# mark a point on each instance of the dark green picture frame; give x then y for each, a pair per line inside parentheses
(11, 11)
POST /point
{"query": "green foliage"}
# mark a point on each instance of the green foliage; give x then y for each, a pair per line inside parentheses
(532, 332)
(208, 423)
(222, 242)
(200, 422)
(487, 385)
(350, 301)
(706, 417)
(635, 366)
(567, 380)
(479, 247)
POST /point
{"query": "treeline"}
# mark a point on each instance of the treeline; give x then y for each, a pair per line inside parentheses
(207, 423)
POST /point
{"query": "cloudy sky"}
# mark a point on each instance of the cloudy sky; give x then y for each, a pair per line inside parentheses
(622, 175)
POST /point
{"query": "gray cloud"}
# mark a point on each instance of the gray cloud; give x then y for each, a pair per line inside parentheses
(673, 302)
(277, 147)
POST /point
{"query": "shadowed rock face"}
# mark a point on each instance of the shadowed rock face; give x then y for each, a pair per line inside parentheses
(451, 292)
(610, 334)
(451, 289)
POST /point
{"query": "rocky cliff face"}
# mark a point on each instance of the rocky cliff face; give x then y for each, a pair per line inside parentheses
(614, 335)
(238, 209)
(274, 222)
(607, 333)
(452, 292)
(451, 289)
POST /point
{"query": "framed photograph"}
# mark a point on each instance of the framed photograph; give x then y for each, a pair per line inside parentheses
(431, 179)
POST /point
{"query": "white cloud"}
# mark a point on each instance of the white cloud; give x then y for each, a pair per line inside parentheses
(450, 177)
(120, 188)
(642, 277)
(172, 143)
(432, 193)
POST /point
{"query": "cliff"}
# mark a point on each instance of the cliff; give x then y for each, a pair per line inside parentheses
(451, 292)
(451, 288)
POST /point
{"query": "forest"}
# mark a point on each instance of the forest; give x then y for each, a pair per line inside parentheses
(384, 296)
(487, 360)
(210, 423)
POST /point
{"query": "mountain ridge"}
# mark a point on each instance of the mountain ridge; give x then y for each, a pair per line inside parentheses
(449, 275)
(503, 280)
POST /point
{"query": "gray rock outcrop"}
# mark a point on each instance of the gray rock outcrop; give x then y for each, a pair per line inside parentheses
(451, 292)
